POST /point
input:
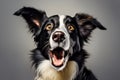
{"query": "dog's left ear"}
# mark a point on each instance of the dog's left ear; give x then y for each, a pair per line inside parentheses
(87, 24)
(33, 17)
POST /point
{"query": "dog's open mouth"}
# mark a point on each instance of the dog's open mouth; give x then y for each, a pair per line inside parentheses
(57, 56)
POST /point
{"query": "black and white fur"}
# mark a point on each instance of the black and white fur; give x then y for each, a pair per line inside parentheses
(60, 39)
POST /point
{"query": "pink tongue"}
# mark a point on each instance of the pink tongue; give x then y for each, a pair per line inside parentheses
(57, 62)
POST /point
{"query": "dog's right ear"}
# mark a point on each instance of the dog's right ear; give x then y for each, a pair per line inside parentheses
(33, 17)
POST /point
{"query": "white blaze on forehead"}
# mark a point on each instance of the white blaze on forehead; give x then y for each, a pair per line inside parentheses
(62, 24)
(62, 17)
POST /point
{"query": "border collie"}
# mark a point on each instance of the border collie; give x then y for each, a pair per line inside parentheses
(60, 39)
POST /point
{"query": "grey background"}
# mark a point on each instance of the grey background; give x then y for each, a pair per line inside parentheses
(16, 42)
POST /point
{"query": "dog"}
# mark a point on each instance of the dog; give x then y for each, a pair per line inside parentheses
(60, 39)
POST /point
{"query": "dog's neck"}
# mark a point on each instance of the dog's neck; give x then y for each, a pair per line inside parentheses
(46, 72)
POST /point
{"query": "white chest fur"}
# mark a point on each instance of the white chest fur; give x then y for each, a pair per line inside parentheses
(46, 72)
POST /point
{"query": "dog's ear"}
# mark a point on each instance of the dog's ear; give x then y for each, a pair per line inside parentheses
(87, 24)
(33, 17)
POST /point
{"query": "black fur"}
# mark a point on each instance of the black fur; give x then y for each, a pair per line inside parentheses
(84, 25)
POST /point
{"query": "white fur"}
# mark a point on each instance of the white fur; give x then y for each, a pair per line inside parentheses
(66, 43)
(63, 29)
(46, 72)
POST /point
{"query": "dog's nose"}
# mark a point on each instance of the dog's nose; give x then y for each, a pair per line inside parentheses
(58, 36)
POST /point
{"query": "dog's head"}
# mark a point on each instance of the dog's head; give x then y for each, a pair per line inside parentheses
(58, 37)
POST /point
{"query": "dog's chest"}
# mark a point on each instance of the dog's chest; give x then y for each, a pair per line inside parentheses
(46, 72)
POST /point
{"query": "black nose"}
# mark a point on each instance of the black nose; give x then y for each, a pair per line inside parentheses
(58, 36)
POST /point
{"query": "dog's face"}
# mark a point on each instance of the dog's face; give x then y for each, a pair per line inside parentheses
(59, 37)
(59, 40)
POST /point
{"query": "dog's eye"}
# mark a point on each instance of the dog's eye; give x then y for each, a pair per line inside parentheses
(49, 27)
(70, 27)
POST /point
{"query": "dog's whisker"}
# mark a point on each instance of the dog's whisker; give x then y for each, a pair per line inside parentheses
(46, 45)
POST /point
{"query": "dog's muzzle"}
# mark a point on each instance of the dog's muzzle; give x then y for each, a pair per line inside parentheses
(59, 46)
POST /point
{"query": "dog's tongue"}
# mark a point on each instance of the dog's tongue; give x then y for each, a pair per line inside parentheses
(56, 61)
